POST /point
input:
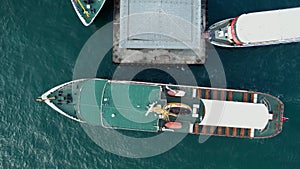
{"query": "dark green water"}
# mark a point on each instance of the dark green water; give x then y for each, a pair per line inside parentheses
(39, 45)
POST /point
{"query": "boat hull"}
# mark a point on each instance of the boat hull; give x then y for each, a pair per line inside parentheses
(186, 114)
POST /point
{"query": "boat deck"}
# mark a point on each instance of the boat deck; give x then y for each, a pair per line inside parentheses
(89, 104)
(269, 26)
(128, 110)
(126, 105)
(274, 106)
(67, 98)
(87, 10)
(216, 33)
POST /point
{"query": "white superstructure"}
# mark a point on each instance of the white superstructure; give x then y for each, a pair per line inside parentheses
(235, 114)
(268, 26)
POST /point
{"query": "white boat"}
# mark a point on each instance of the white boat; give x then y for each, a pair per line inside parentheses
(257, 29)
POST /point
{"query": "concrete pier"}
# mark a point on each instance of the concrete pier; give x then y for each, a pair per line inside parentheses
(159, 32)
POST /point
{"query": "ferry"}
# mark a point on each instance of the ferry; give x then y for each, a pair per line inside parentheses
(257, 29)
(155, 107)
(87, 10)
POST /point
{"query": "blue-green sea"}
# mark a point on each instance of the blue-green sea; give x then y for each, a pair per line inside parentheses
(39, 44)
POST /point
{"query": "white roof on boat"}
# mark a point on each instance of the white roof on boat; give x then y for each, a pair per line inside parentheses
(235, 114)
(268, 26)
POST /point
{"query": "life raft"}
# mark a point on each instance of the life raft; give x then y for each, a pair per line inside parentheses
(174, 125)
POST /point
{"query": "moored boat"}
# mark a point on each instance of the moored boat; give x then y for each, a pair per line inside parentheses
(257, 29)
(151, 107)
(87, 10)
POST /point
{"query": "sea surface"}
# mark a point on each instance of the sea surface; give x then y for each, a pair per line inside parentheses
(39, 45)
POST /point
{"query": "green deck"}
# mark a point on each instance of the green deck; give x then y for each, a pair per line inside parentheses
(90, 101)
(95, 7)
(118, 100)
(125, 106)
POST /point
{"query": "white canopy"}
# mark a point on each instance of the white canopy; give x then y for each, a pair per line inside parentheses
(235, 114)
(268, 26)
